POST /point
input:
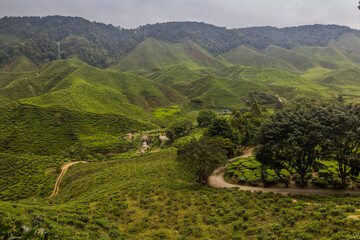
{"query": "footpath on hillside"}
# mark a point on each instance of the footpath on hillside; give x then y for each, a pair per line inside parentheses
(60, 177)
(216, 180)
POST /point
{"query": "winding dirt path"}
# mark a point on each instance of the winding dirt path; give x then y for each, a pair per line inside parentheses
(216, 180)
(60, 177)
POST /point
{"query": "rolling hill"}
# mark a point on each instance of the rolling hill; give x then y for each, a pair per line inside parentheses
(153, 54)
(283, 84)
(71, 90)
(78, 86)
(174, 75)
(344, 81)
(244, 56)
(299, 61)
(325, 57)
(221, 93)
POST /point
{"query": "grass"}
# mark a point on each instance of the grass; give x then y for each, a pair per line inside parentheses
(48, 131)
(343, 81)
(24, 176)
(154, 199)
(77, 86)
(174, 75)
(153, 54)
(248, 170)
(278, 82)
(165, 116)
(217, 92)
(325, 57)
(244, 56)
(299, 61)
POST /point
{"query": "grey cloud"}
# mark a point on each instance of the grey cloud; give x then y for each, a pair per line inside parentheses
(229, 13)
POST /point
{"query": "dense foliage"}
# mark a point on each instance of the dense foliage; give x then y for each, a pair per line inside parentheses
(298, 137)
(43, 39)
(202, 156)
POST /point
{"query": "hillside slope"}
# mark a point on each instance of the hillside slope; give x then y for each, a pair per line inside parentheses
(244, 56)
(153, 54)
(284, 84)
(344, 81)
(78, 86)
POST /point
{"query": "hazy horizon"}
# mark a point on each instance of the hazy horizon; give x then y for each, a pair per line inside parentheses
(226, 13)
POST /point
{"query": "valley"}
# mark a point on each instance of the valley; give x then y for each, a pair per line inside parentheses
(99, 94)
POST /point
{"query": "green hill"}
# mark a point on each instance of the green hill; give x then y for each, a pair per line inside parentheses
(217, 92)
(343, 81)
(174, 75)
(325, 57)
(153, 54)
(278, 82)
(244, 56)
(348, 43)
(51, 130)
(297, 60)
(21, 64)
(78, 86)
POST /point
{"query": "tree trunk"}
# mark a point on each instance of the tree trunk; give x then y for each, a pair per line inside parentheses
(281, 178)
(343, 179)
(302, 180)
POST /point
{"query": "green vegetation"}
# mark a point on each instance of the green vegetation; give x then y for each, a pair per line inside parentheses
(297, 60)
(152, 199)
(343, 81)
(58, 106)
(174, 76)
(278, 82)
(202, 156)
(250, 171)
(296, 138)
(43, 131)
(205, 118)
(325, 57)
(244, 56)
(153, 54)
(25, 176)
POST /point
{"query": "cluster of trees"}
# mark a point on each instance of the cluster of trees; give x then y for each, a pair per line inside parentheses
(311, 35)
(299, 136)
(223, 139)
(100, 44)
(36, 37)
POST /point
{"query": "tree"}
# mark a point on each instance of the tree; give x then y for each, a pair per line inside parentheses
(220, 127)
(254, 118)
(205, 118)
(255, 109)
(237, 122)
(202, 157)
(178, 128)
(342, 131)
(290, 139)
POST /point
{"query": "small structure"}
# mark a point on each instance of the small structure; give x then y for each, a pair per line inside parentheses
(163, 139)
(144, 146)
(224, 112)
(129, 136)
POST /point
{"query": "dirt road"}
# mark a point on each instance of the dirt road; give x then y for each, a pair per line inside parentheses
(216, 180)
(60, 177)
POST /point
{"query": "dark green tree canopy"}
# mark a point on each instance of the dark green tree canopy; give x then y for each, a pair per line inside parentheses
(205, 117)
(299, 136)
(202, 156)
(220, 127)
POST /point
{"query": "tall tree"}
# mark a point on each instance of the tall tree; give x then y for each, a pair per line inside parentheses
(342, 132)
(202, 157)
(292, 138)
(205, 117)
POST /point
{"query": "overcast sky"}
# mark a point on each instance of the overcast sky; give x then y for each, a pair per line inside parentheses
(228, 13)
